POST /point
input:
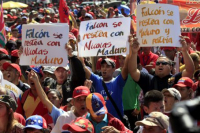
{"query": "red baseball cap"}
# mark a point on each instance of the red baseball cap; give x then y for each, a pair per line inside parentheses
(16, 66)
(81, 91)
(4, 51)
(79, 125)
(184, 82)
(15, 53)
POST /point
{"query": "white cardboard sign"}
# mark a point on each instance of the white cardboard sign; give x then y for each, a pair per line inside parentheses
(104, 37)
(44, 44)
(158, 25)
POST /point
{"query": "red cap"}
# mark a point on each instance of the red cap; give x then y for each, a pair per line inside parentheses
(80, 91)
(15, 17)
(16, 66)
(15, 53)
(79, 125)
(4, 51)
(168, 48)
(41, 10)
(116, 10)
(24, 11)
(184, 82)
(88, 8)
(9, 16)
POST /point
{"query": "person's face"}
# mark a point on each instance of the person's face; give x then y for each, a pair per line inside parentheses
(1, 68)
(98, 118)
(153, 129)
(121, 61)
(52, 15)
(107, 71)
(185, 92)
(146, 49)
(163, 69)
(3, 109)
(47, 19)
(170, 54)
(80, 105)
(15, 34)
(32, 130)
(83, 12)
(11, 74)
(61, 74)
(154, 106)
(24, 21)
(169, 101)
(54, 99)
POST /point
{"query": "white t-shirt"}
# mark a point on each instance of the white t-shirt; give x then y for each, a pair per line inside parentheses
(65, 118)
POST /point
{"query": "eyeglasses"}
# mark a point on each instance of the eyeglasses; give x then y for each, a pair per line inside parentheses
(162, 62)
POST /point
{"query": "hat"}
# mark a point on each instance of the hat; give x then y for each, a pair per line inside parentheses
(16, 66)
(184, 82)
(15, 53)
(5, 16)
(4, 51)
(79, 125)
(9, 16)
(116, 10)
(36, 122)
(49, 69)
(72, 37)
(24, 17)
(174, 92)
(108, 61)
(155, 119)
(37, 69)
(66, 68)
(9, 101)
(96, 104)
(81, 91)
(5, 11)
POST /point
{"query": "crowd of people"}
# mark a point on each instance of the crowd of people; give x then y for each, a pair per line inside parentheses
(132, 93)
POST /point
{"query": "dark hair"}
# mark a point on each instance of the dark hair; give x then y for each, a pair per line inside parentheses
(19, 43)
(88, 17)
(4, 57)
(70, 22)
(56, 91)
(78, 20)
(11, 45)
(14, 59)
(152, 96)
(15, 29)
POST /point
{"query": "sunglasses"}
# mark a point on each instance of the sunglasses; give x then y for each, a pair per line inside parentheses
(163, 63)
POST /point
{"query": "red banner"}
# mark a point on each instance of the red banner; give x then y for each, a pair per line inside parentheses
(2, 29)
(63, 12)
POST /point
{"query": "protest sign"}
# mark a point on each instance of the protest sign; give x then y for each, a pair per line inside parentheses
(158, 25)
(104, 37)
(13, 88)
(44, 44)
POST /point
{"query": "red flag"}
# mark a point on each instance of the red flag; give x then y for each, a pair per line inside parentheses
(2, 29)
(63, 12)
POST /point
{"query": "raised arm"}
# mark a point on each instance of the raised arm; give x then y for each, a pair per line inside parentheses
(73, 20)
(132, 63)
(189, 64)
(42, 95)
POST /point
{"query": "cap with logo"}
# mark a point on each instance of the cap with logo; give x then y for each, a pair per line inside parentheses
(37, 69)
(108, 61)
(96, 104)
(79, 125)
(81, 91)
(66, 68)
(9, 101)
(155, 119)
(15, 66)
(184, 82)
(174, 92)
(36, 122)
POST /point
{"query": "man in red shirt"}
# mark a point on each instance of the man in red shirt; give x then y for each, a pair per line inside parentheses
(147, 58)
(53, 19)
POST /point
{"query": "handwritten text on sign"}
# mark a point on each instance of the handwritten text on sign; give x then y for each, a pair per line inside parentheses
(104, 37)
(44, 44)
(158, 25)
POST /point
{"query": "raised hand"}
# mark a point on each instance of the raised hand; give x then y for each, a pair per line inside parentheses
(20, 51)
(88, 83)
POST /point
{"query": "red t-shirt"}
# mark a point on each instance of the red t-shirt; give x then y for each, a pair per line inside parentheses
(19, 118)
(146, 59)
(54, 20)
